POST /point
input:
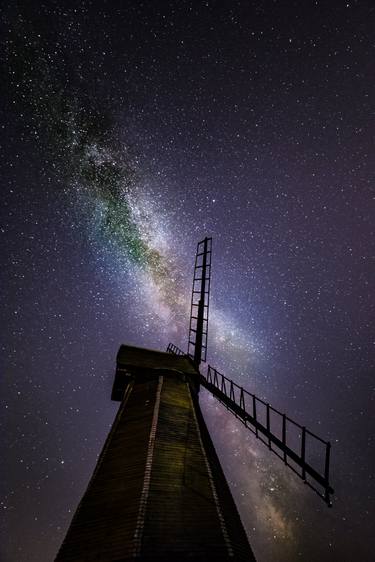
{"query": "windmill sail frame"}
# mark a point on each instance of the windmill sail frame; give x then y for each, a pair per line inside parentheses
(295, 451)
(200, 301)
(236, 399)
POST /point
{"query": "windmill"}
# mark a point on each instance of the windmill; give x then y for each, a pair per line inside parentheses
(158, 491)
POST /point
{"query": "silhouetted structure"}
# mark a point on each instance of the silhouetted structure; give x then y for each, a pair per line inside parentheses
(158, 491)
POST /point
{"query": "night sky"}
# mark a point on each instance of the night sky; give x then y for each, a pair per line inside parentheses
(131, 130)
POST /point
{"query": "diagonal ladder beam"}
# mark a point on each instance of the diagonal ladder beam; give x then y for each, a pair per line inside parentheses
(234, 397)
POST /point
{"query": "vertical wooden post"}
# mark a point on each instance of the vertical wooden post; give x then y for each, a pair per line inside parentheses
(242, 399)
(326, 472)
(232, 397)
(255, 413)
(268, 425)
(303, 452)
(284, 436)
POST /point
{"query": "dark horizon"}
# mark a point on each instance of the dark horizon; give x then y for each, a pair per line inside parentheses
(132, 130)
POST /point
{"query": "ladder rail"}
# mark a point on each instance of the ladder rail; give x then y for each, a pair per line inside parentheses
(198, 324)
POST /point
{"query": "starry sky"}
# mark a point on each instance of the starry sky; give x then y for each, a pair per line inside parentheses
(131, 130)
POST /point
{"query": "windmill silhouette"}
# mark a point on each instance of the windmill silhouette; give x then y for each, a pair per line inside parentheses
(158, 491)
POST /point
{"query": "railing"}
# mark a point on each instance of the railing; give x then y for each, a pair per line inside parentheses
(174, 349)
(289, 440)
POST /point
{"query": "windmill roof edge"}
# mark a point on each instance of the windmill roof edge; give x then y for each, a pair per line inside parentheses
(141, 357)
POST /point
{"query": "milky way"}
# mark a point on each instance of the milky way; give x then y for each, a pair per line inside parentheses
(105, 177)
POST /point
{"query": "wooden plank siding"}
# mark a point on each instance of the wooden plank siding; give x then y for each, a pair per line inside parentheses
(103, 526)
(158, 491)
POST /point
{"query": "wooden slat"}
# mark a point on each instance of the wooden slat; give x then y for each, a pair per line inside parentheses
(103, 526)
(189, 513)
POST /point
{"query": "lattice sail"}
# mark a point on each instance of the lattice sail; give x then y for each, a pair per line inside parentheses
(198, 327)
(307, 454)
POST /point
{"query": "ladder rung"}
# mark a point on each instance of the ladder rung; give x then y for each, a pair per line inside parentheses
(208, 257)
(207, 272)
(197, 305)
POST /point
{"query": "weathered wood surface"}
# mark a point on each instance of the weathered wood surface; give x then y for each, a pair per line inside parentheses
(161, 498)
